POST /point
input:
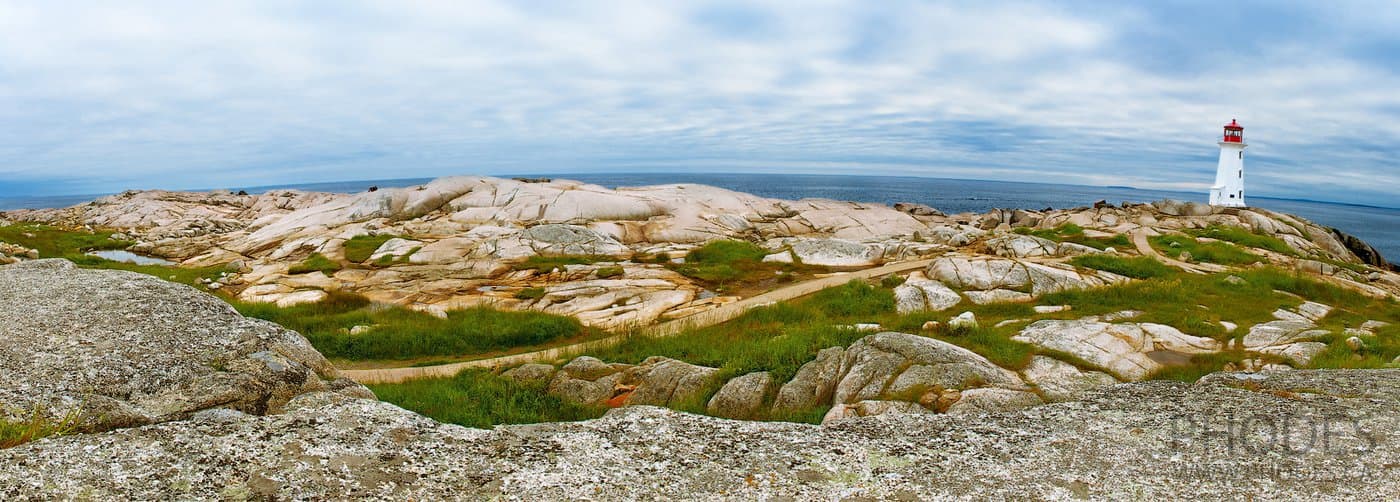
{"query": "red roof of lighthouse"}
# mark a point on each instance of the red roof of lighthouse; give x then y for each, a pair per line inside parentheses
(1233, 125)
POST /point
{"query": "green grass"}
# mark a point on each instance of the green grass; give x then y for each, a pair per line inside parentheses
(608, 272)
(1141, 267)
(1072, 233)
(530, 294)
(854, 299)
(317, 262)
(1244, 237)
(54, 242)
(1222, 253)
(728, 265)
(359, 248)
(477, 398)
(548, 263)
(72, 245)
(720, 262)
(726, 252)
(399, 333)
(35, 426)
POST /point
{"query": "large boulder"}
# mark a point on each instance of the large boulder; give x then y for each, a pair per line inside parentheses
(741, 396)
(1060, 381)
(893, 365)
(920, 293)
(986, 273)
(663, 381)
(124, 349)
(814, 383)
(586, 380)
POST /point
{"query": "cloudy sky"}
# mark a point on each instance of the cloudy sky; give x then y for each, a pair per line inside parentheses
(97, 97)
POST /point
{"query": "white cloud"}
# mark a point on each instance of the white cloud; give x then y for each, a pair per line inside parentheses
(209, 94)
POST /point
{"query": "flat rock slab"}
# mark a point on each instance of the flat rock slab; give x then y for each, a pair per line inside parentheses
(1156, 440)
(127, 349)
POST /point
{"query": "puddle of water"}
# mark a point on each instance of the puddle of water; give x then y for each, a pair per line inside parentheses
(130, 257)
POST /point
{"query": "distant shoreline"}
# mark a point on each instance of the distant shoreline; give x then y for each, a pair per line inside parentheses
(400, 182)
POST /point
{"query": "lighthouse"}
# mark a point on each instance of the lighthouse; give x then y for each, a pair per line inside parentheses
(1228, 190)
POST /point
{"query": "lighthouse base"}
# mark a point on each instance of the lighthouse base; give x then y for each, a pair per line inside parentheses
(1218, 197)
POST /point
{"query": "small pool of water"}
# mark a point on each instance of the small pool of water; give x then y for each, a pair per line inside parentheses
(130, 257)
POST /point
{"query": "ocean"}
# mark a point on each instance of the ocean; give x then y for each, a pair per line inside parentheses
(1376, 225)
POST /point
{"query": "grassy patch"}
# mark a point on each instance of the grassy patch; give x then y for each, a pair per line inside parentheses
(1222, 253)
(548, 263)
(477, 398)
(359, 248)
(72, 245)
(730, 265)
(1072, 233)
(399, 333)
(54, 242)
(317, 262)
(608, 272)
(1244, 237)
(1141, 267)
(530, 294)
(37, 425)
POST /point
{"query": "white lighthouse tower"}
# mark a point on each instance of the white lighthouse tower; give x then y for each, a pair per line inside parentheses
(1228, 190)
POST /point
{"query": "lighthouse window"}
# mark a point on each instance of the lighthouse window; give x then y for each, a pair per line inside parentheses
(1241, 155)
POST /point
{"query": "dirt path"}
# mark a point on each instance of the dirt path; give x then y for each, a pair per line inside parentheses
(708, 318)
(1140, 242)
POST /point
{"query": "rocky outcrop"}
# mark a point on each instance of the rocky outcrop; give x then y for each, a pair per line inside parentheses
(1293, 336)
(1060, 381)
(122, 349)
(985, 273)
(1363, 251)
(920, 293)
(1030, 246)
(656, 381)
(741, 397)
(898, 365)
(814, 384)
(1128, 351)
(11, 253)
(1144, 440)
(837, 253)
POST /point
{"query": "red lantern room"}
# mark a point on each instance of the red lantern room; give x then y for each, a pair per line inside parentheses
(1234, 132)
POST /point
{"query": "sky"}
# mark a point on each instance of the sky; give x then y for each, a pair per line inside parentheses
(99, 97)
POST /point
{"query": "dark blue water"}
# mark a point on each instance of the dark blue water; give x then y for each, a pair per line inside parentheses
(1378, 226)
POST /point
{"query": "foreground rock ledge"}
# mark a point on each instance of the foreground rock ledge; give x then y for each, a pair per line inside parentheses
(125, 349)
(1145, 440)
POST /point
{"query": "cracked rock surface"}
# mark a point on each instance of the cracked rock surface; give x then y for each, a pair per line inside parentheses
(129, 349)
(1154, 440)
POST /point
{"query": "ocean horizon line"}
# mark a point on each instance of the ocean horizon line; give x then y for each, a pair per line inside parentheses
(372, 182)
